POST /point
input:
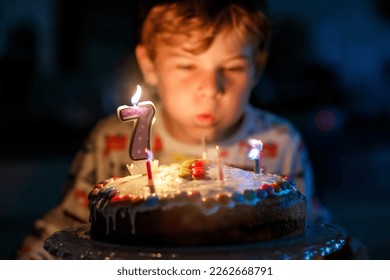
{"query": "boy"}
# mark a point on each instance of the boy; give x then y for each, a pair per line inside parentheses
(203, 58)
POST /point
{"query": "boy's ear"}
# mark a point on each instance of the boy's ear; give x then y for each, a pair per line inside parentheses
(261, 61)
(146, 65)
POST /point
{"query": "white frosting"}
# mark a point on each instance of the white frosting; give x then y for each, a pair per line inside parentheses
(168, 184)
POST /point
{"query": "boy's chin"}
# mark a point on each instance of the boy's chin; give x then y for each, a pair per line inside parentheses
(213, 134)
(210, 136)
(200, 135)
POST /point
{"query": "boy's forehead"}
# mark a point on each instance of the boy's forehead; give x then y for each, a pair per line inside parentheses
(226, 43)
(219, 50)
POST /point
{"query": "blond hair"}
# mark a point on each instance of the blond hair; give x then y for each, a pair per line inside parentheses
(198, 22)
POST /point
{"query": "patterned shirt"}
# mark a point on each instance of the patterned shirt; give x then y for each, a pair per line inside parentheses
(105, 154)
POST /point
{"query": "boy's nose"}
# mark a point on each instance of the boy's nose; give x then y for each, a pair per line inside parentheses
(211, 83)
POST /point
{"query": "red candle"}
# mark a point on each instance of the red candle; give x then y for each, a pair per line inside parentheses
(143, 115)
(149, 156)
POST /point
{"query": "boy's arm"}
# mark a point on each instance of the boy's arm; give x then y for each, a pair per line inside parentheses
(101, 157)
(32, 245)
(301, 164)
(81, 176)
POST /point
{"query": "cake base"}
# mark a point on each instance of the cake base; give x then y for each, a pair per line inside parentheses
(274, 217)
(317, 242)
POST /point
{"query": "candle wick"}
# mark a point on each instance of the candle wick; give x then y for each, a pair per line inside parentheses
(204, 146)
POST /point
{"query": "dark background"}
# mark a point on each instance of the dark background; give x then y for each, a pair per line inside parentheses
(66, 64)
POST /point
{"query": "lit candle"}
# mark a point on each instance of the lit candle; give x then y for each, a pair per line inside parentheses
(255, 153)
(149, 157)
(143, 115)
(219, 165)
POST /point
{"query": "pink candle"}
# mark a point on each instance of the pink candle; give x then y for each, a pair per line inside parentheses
(143, 114)
(219, 164)
(204, 146)
(149, 156)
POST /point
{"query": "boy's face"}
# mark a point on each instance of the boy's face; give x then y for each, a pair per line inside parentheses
(204, 95)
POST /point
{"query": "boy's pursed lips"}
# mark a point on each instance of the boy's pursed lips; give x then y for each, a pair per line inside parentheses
(205, 118)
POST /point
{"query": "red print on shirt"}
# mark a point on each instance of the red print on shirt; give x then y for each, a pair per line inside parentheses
(114, 143)
(157, 145)
(270, 150)
(244, 146)
(81, 197)
(224, 153)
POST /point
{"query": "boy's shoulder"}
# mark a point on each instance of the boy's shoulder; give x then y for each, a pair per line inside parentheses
(267, 120)
(111, 123)
(109, 119)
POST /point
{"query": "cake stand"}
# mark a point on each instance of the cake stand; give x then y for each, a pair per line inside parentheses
(318, 241)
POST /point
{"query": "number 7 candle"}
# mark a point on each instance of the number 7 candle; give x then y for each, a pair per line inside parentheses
(143, 115)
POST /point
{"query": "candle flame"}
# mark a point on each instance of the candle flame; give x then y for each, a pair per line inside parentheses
(137, 95)
(149, 154)
(253, 153)
(257, 146)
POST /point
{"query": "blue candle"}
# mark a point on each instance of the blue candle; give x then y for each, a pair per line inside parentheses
(255, 154)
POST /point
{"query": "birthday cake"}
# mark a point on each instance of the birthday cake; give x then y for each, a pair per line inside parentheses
(189, 204)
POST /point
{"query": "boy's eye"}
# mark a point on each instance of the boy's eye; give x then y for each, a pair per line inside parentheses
(186, 66)
(235, 68)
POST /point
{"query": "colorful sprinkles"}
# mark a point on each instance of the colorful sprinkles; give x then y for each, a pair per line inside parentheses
(190, 170)
(193, 169)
